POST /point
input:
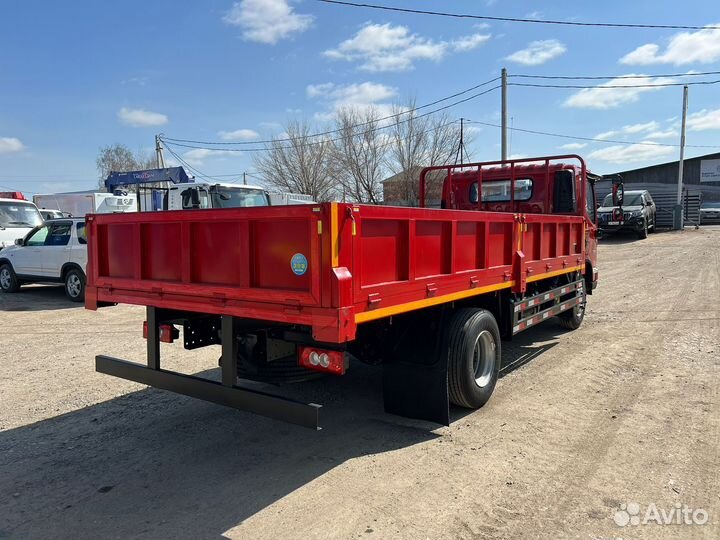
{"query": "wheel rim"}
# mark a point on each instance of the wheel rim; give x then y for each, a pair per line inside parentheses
(484, 358)
(5, 278)
(73, 285)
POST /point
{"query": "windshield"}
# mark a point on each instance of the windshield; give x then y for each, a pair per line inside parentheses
(228, 197)
(713, 205)
(19, 215)
(631, 199)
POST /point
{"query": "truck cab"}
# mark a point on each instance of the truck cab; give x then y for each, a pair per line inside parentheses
(542, 187)
(217, 195)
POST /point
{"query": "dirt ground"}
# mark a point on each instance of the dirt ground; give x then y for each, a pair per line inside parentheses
(623, 411)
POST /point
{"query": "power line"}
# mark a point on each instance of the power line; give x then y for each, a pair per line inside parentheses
(326, 141)
(593, 139)
(603, 87)
(604, 77)
(330, 132)
(516, 19)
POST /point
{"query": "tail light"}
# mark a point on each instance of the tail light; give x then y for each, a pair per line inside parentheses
(322, 360)
(168, 333)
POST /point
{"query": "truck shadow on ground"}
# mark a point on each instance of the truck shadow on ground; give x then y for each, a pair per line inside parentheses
(153, 464)
(37, 298)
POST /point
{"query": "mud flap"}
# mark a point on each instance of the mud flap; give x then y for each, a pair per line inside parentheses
(417, 391)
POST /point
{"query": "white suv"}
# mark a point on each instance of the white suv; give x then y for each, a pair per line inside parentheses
(55, 252)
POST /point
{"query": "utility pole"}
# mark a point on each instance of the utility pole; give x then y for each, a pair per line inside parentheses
(244, 178)
(159, 157)
(678, 216)
(503, 115)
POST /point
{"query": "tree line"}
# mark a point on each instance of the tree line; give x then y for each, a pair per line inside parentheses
(365, 149)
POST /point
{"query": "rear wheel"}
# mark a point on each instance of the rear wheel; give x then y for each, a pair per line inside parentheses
(473, 357)
(75, 285)
(8, 280)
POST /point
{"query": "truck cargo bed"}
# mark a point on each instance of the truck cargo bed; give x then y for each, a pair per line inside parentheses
(329, 266)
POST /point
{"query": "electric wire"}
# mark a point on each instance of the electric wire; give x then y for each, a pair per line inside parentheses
(592, 139)
(517, 19)
(326, 141)
(333, 131)
(604, 77)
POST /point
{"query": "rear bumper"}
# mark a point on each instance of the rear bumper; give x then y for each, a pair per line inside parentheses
(633, 224)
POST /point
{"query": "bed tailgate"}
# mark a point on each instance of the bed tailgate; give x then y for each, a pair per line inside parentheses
(262, 263)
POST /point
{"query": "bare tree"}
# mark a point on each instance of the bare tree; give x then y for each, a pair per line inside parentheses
(360, 154)
(119, 158)
(300, 164)
(418, 141)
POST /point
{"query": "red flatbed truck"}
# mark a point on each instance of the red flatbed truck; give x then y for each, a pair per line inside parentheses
(291, 292)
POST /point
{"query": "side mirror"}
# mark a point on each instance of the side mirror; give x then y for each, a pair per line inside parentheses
(19, 241)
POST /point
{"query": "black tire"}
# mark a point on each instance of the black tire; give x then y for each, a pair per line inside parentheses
(653, 228)
(75, 285)
(573, 318)
(643, 233)
(473, 357)
(8, 280)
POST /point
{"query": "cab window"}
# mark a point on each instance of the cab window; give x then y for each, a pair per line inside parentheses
(590, 200)
(499, 190)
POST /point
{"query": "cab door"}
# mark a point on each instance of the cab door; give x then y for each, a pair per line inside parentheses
(26, 260)
(591, 228)
(56, 251)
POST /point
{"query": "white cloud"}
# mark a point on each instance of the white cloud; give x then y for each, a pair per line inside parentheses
(631, 153)
(11, 145)
(384, 47)
(573, 146)
(267, 21)
(607, 134)
(704, 120)
(630, 129)
(238, 135)
(684, 48)
(198, 155)
(667, 134)
(141, 118)
(467, 43)
(602, 97)
(639, 128)
(538, 52)
(357, 96)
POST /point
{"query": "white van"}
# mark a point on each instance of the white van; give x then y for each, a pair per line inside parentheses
(17, 218)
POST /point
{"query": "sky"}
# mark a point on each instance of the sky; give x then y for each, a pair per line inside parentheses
(76, 76)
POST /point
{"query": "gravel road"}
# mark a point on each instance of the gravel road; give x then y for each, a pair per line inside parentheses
(623, 411)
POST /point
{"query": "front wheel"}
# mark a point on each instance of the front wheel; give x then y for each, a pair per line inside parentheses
(8, 280)
(473, 357)
(75, 285)
(573, 318)
(643, 233)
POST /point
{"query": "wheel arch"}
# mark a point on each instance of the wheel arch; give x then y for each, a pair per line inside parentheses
(70, 266)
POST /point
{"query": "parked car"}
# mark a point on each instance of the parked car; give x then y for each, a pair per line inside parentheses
(51, 213)
(638, 214)
(710, 212)
(55, 252)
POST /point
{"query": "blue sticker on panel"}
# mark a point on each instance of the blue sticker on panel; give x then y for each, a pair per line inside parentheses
(299, 264)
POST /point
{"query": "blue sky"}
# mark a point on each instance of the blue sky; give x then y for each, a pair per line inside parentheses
(75, 76)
